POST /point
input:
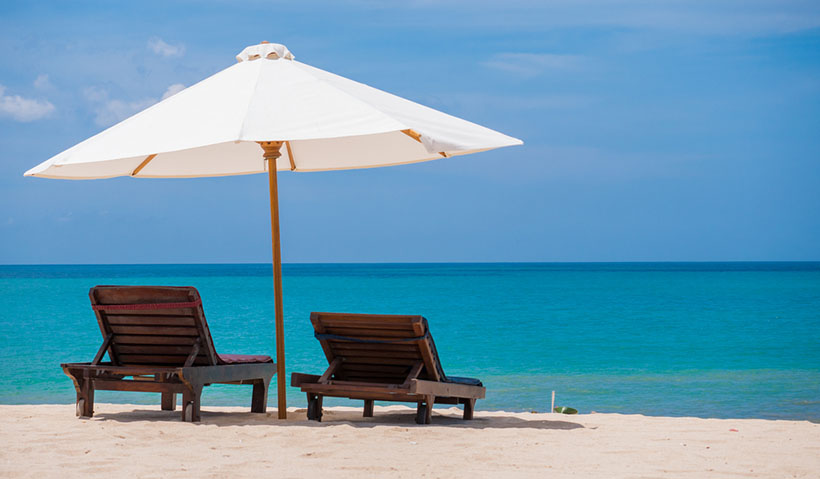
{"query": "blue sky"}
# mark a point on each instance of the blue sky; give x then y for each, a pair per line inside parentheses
(654, 131)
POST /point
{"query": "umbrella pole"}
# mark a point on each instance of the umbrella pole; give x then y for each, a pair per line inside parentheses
(271, 149)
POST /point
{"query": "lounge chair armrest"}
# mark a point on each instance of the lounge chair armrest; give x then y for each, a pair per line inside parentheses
(297, 379)
(331, 370)
(436, 388)
(413, 374)
(101, 352)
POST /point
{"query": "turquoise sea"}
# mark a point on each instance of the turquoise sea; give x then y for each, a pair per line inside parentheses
(681, 339)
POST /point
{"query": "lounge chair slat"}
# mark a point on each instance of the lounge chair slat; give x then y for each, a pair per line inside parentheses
(386, 369)
(388, 385)
(370, 336)
(364, 333)
(374, 378)
(167, 349)
(374, 318)
(185, 312)
(142, 294)
(390, 349)
(158, 340)
(154, 330)
(376, 357)
(151, 320)
(160, 359)
(388, 360)
(135, 339)
(396, 326)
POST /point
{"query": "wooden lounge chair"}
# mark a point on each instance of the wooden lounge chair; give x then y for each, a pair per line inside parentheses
(384, 358)
(157, 336)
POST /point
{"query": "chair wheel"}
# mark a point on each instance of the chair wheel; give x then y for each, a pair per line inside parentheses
(189, 411)
(313, 411)
(80, 407)
(421, 414)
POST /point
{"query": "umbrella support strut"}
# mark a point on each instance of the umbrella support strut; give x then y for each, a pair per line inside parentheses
(271, 149)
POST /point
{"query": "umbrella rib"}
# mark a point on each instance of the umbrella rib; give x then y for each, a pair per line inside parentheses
(416, 136)
(412, 134)
(143, 164)
(290, 156)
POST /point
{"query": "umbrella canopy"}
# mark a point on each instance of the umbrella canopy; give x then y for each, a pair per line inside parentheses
(269, 100)
(212, 128)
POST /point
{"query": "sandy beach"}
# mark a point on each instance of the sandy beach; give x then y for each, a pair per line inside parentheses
(142, 441)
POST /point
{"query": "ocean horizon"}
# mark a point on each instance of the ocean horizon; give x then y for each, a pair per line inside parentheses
(704, 339)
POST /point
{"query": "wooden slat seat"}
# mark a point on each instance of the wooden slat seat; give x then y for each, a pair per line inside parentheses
(158, 336)
(382, 357)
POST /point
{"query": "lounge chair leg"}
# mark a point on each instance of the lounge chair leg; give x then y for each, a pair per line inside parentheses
(191, 403)
(314, 409)
(421, 412)
(469, 407)
(85, 398)
(424, 412)
(85, 407)
(259, 401)
(368, 408)
(169, 401)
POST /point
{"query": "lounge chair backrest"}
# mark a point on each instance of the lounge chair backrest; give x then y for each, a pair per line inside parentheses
(377, 348)
(153, 325)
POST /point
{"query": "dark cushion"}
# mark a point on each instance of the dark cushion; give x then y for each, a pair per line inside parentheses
(467, 381)
(243, 358)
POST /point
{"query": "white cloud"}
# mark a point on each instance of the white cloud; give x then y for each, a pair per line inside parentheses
(160, 47)
(113, 111)
(534, 64)
(42, 82)
(109, 111)
(23, 109)
(173, 90)
(95, 94)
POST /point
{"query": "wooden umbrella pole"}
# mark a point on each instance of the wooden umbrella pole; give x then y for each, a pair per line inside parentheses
(271, 149)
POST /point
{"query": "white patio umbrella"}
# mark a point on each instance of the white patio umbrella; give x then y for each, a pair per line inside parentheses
(269, 100)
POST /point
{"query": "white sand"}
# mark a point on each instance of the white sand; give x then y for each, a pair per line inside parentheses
(142, 441)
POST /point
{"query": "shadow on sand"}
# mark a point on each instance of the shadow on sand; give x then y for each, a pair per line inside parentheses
(441, 418)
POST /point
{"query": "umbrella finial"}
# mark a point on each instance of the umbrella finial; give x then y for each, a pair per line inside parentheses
(271, 149)
(270, 51)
